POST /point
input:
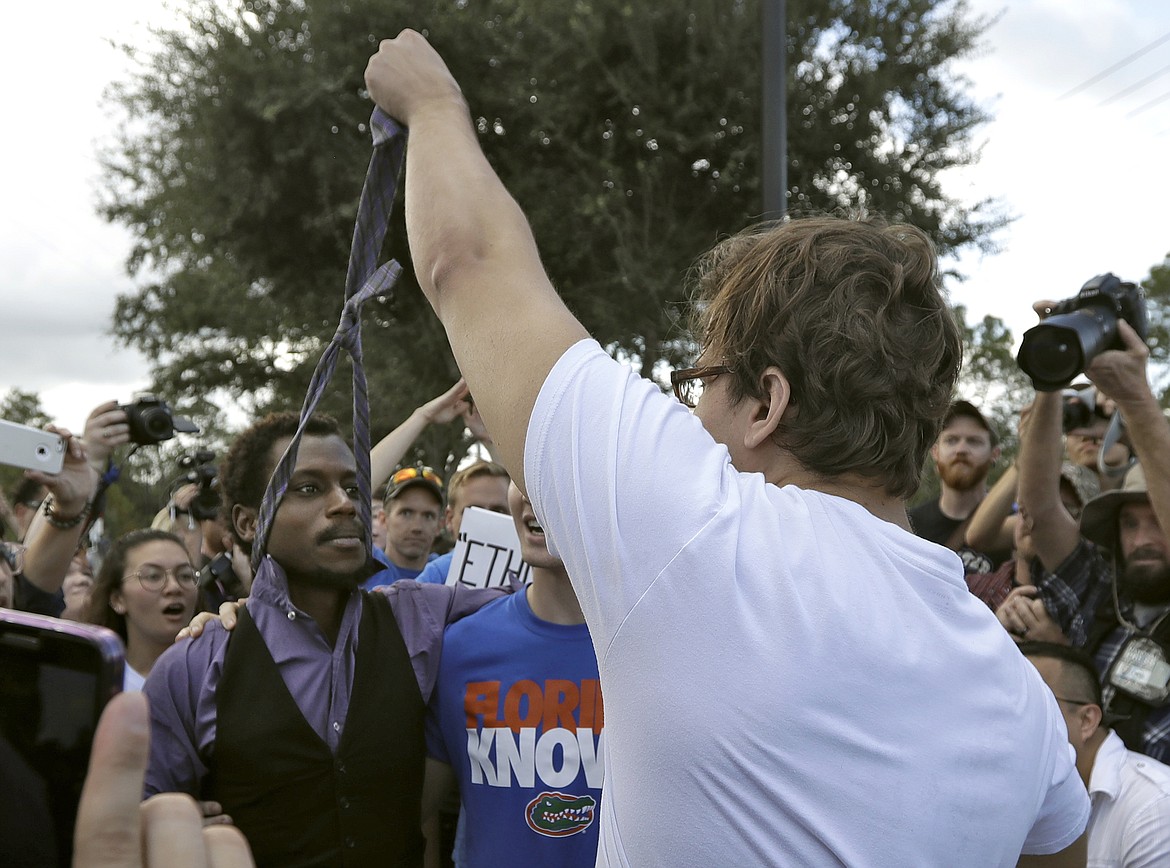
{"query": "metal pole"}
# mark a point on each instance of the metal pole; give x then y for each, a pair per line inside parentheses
(775, 95)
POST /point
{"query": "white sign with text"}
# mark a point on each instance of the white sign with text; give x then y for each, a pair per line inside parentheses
(487, 551)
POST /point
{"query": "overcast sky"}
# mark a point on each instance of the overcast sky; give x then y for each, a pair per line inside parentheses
(1085, 175)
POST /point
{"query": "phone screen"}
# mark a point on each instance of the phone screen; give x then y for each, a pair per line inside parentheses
(54, 682)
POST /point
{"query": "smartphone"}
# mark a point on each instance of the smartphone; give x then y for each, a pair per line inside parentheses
(31, 448)
(55, 678)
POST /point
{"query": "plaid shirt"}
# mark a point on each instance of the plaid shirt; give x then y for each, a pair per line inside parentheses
(1073, 594)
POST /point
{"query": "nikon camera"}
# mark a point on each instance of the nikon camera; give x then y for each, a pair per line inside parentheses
(1079, 329)
(151, 421)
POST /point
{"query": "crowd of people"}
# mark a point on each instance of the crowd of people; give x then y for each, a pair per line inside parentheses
(795, 670)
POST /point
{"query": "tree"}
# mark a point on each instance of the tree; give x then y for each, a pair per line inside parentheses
(628, 132)
(991, 379)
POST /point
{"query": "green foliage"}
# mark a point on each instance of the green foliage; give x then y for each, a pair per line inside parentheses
(23, 408)
(628, 132)
(991, 379)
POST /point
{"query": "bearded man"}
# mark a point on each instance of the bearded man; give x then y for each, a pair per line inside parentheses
(963, 454)
(1106, 580)
(307, 726)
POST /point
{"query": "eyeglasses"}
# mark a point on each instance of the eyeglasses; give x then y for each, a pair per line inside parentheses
(13, 555)
(153, 578)
(1074, 701)
(416, 472)
(688, 382)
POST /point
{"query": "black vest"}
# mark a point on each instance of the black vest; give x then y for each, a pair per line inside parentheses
(297, 804)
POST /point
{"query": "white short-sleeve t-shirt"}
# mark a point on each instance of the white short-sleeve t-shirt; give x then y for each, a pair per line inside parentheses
(788, 680)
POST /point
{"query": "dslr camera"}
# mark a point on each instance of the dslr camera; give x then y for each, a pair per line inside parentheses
(1079, 329)
(200, 469)
(151, 421)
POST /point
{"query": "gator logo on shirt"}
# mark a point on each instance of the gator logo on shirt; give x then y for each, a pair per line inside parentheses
(557, 815)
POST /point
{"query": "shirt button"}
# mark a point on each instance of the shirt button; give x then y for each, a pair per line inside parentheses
(350, 842)
(292, 616)
(336, 726)
(343, 802)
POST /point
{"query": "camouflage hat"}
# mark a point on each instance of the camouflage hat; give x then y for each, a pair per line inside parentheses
(1085, 483)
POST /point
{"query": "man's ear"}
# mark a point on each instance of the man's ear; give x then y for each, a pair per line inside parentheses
(995, 453)
(244, 521)
(769, 408)
(1089, 719)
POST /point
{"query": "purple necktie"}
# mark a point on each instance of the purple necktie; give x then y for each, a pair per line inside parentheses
(365, 280)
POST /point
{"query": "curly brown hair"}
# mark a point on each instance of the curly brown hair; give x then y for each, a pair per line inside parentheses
(852, 313)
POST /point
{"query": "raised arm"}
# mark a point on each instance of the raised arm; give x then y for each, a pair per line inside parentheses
(53, 536)
(474, 253)
(993, 526)
(1054, 532)
(1121, 374)
(387, 452)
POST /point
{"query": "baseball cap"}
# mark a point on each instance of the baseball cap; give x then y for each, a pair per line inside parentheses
(416, 474)
(966, 408)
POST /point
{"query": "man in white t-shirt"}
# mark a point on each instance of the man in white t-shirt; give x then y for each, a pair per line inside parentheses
(791, 677)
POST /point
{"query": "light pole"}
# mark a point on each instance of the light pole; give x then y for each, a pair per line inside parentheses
(775, 91)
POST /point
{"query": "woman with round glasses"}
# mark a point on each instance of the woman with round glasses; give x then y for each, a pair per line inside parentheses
(145, 592)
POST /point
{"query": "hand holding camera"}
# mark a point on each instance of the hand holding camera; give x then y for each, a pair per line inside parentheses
(105, 430)
(1121, 373)
(1077, 330)
(150, 420)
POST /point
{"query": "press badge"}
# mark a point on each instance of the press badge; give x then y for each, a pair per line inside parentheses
(1141, 671)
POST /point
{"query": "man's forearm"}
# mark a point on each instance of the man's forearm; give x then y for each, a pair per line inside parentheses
(1054, 531)
(990, 529)
(1150, 434)
(388, 452)
(50, 550)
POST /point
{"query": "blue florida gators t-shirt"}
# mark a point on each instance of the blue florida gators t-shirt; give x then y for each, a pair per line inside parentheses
(517, 713)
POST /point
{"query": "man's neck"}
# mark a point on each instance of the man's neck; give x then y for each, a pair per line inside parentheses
(551, 597)
(323, 605)
(955, 504)
(1087, 756)
(862, 492)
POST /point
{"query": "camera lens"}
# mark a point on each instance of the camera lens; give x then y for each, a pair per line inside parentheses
(1058, 349)
(156, 423)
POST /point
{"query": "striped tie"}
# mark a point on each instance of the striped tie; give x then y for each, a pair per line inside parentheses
(364, 280)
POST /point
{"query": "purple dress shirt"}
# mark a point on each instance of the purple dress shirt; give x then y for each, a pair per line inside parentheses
(181, 688)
